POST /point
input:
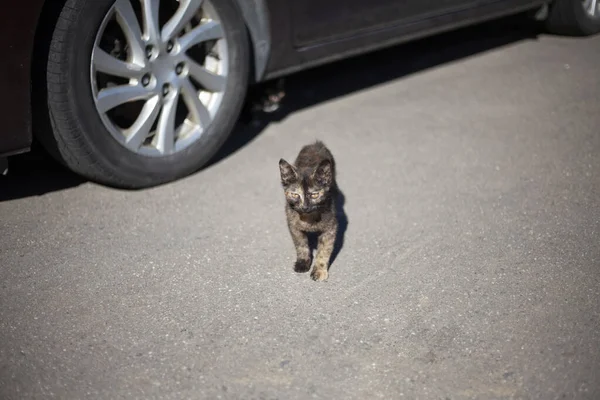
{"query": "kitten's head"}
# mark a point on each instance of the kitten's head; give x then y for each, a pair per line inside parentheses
(307, 190)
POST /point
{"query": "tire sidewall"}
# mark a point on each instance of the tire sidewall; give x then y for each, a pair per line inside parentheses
(101, 145)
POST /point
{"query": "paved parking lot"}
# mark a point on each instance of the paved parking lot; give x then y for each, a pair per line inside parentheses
(470, 266)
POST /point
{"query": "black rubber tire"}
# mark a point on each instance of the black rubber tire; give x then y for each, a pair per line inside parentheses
(568, 17)
(78, 137)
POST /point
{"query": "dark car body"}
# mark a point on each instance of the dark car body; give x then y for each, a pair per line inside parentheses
(16, 43)
(286, 36)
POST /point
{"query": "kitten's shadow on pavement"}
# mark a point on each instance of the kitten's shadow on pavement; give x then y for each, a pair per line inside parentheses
(342, 227)
(342, 218)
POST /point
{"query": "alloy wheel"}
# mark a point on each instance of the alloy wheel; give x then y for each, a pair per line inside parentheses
(158, 73)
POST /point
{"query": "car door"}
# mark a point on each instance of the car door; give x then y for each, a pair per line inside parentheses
(316, 21)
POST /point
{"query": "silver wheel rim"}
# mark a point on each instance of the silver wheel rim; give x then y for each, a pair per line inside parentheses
(157, 87)
(592, 8)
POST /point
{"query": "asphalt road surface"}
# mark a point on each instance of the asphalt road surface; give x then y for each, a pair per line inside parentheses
(470, 266)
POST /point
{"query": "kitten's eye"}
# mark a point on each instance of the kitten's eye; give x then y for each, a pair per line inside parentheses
(314, 195)
(294, 195)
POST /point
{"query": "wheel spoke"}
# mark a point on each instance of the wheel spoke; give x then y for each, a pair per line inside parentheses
(208, 31)
(593, 8)
(104, 62)
(138, 132)
(165, 130)
(183, 15)
(129, 23)
(150, 18)
(210, 81)
(112, 97)
(197, 109)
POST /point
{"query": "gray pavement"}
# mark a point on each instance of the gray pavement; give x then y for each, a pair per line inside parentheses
(470, 267)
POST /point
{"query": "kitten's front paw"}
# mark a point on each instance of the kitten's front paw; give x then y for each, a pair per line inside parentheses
(302, 265)
(319, 274)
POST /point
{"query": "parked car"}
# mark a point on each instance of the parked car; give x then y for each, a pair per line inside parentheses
(135, 93)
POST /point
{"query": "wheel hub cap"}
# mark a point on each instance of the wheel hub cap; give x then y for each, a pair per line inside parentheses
(163, 68)
(158, 86)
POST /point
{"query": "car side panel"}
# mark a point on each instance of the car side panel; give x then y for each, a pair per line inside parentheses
(256, 16)
(318, 20)
(285, 59)
(16, 46)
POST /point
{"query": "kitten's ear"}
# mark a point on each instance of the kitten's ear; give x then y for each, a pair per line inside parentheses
(324, 173)
(288, 172)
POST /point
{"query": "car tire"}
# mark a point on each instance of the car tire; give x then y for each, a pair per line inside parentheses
(79, 137)
(569, 17)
